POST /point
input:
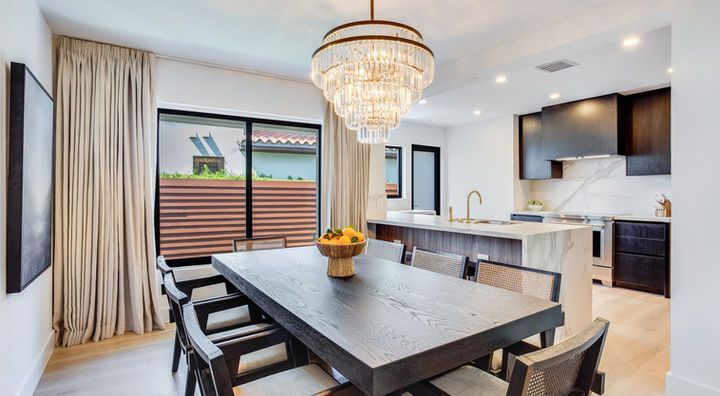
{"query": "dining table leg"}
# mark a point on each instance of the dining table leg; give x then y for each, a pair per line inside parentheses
(299, 351)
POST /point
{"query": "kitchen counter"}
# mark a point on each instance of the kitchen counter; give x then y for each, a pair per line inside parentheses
(615, 216)
(562, 248)
(516, 230)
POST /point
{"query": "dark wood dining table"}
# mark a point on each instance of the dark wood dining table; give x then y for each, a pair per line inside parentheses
(390, 325)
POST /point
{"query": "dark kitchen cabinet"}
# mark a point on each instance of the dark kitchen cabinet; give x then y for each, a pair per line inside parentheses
(583, 128)
(648, 133)
(642, 256)
(523, 217)
(533, 165)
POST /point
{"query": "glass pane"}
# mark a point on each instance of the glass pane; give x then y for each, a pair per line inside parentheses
(202, 185)
(424, 183)
(285, 171)
(392, 171)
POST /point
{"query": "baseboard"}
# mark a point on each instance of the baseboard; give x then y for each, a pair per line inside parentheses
(33, 377)
(678, 386)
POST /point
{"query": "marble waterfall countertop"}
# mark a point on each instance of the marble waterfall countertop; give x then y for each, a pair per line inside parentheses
(562, 248)
(514, 230)
(629, 217)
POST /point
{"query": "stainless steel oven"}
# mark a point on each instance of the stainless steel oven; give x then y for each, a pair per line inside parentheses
(602, 240)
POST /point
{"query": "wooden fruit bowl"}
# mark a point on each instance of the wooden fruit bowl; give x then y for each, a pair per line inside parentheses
(340, 263)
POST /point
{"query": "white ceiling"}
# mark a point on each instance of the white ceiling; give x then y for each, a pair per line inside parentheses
(473, 40)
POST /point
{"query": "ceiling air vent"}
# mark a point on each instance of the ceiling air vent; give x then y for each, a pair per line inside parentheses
(554, 66)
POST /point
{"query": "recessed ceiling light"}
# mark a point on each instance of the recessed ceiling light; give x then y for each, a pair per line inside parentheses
(423, 101)
(477, 112)
(500, 79)
(631, 42)
(670, 70)
(554, 95)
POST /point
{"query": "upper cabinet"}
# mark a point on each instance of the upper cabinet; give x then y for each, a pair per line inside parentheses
(583, 128)
(533, 165)
(648, 133)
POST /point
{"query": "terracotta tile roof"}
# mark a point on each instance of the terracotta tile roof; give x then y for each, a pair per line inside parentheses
(284, 137)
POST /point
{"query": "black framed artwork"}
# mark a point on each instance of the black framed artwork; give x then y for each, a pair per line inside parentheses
(30, 178)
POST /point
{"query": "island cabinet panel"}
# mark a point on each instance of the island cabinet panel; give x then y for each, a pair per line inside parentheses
(584, 128)
(648, 137)
(642, 256)
(508, 251)
(533, 165)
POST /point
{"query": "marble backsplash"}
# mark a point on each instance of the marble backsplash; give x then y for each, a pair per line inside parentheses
(600, 185)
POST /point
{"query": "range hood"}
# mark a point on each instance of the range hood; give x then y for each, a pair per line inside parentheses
(584, 129)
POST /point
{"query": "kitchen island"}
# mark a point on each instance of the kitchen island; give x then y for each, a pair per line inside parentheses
(566, 249)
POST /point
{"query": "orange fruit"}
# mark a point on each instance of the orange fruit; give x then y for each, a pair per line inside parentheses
(359, 236)
(344, 240)
(333, 241)
(348, 232)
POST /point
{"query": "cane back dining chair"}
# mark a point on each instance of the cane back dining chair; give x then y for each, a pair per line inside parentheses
(448, 264)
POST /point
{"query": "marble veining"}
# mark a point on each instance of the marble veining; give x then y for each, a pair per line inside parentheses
(600, 185)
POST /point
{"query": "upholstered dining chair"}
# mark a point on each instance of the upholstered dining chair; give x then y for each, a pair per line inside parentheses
(211, 285)
(385, 250)
(215, 374)
(259, 243)
(442, 263)
(271, 358)
(567, 368)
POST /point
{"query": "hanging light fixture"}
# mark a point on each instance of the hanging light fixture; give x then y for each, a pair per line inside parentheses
(372, 71)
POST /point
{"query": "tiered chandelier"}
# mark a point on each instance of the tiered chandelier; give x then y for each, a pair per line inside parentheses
(372, 71)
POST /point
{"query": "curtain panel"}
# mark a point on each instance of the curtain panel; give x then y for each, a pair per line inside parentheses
(346, 173)
(105, 139)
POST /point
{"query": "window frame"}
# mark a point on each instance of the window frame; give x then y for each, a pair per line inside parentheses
(249, 121)
(399, 194)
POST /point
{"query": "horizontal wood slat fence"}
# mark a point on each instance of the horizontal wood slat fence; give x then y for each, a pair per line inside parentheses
(202, 217)
(391, 189)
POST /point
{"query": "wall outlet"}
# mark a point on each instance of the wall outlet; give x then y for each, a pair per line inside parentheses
(483, 257)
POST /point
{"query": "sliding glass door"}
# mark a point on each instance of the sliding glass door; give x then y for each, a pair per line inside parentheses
(223, 177)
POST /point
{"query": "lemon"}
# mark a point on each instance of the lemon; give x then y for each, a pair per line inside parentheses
(348, 232)
(344, 240)
(360, 236)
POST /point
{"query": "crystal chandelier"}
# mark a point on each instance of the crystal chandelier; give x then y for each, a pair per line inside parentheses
(372, 71)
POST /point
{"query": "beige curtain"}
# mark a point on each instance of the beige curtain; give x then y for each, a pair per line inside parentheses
(104, 277)
(346, 172)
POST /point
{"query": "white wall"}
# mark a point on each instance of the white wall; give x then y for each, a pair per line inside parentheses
(600, 185)
(198, 87)
(405, 136)
(26, 335)
(482, 158)
(695, 321)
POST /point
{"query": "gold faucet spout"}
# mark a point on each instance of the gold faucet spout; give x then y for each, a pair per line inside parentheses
(470, 194)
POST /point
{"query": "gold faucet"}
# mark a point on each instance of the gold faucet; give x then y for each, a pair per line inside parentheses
(467, 217)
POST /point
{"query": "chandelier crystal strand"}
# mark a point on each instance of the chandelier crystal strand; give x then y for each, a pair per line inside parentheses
(372, 71)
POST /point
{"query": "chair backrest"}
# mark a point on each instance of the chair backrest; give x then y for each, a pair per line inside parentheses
(177, 300)
(442, 263)
(162, 266)
(529, 281)
(385, 250)
(259, 243)
(567, 368)
(212, 370)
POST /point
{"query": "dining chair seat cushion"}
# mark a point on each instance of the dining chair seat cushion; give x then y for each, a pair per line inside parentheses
(300, 381)
(227, 318)
(262, 358)
(470, 381)
(496, 362)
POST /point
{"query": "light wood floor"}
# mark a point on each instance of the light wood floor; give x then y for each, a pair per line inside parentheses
(636, 357)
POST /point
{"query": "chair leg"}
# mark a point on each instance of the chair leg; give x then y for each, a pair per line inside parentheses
(190, 383)
(299, 352)
(176, 355)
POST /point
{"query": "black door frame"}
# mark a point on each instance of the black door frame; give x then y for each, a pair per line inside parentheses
(248, 163)
(427, 149)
